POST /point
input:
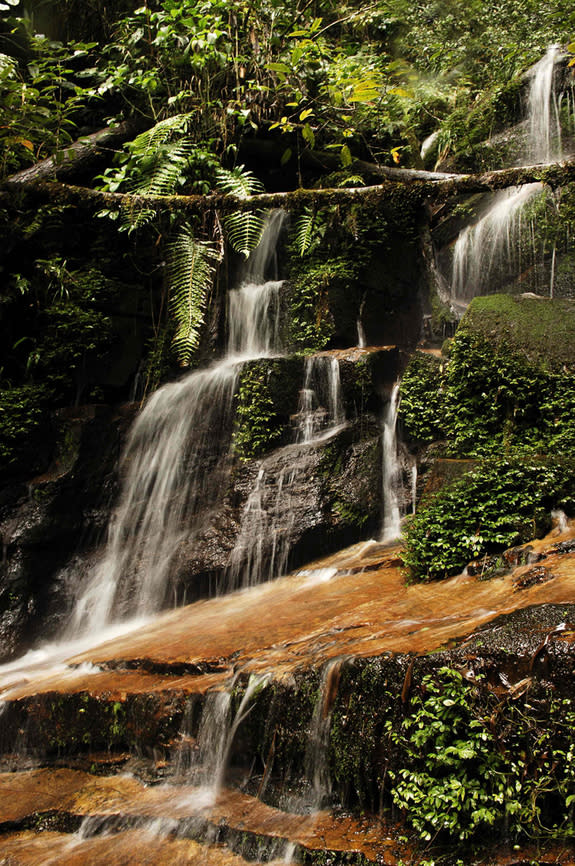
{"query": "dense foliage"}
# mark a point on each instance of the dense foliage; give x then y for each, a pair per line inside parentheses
(471, 764)
(504, 397)
(498, 504)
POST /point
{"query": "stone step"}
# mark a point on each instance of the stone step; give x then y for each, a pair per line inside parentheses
(67, 799)
(129, 848)
(362, 608)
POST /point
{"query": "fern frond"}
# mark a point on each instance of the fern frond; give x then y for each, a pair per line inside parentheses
(304, 229)
(239, 182)
(352, 180)
(244, 230)
(160, 174)
(159, 134)
(190, 272)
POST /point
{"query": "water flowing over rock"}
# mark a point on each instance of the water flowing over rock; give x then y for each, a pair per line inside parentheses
(176, 468)
(275, 718)
(502, 244)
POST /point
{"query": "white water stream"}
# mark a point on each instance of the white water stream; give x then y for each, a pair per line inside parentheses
(175, 464)
(391, 529)
(501, 244)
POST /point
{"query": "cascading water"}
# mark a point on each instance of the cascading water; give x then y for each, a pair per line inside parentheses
(263, 544)
(174, 467)
(316, 758)
(204, 766)
(500, 245)
(391, 471)
(320, 409)
(544, 133)
(493, 245)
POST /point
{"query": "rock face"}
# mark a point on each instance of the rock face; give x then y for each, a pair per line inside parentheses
(52, 525)
(308, 683)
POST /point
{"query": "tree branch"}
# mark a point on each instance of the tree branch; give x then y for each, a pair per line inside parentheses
(77, 157)
(421, 184)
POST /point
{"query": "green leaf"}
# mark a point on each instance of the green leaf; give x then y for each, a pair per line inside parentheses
(189, 270)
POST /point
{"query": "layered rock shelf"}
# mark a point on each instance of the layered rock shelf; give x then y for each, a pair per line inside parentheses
(92, 750)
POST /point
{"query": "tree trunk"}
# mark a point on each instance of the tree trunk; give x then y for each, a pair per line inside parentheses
(77, 158)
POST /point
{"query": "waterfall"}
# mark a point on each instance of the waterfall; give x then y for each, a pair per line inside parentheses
(263, 544)
(204, 767)
(391, 471)
(316, 754)
(493, 244)
(493, 250)
(174, 468)
(544, 133)
(320, 409)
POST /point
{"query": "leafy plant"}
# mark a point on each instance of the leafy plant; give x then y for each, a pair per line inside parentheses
(256, 428)
(470, 763)
(309, 230)
(421, 407)
(455, 782)
(498, 504)
(189, 272)
(244, 227)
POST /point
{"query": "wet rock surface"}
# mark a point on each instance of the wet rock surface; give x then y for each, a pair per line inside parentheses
(106, 732)
(55, 521)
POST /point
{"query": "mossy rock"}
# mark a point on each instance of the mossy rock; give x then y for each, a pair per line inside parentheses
(542, 329)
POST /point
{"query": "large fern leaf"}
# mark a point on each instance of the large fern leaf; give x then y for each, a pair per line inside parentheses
(160, 174)
(304, 231)
(152, 139)
(244, 228)
(190, 272)
(239, 182)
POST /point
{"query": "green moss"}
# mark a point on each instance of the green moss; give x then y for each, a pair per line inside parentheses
(543, 330)
(498, 504)
(266, 399)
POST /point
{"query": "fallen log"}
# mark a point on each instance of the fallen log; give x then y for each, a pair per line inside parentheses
(425, 186)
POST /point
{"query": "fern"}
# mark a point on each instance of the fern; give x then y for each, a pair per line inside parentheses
(190, 271)
(309, 230)
(304, 231)
(154, 138)
(157, 162)
(239, 182)
(244, 228)
(160, 174)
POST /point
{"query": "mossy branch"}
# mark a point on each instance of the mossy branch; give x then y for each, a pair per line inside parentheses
(435, 189)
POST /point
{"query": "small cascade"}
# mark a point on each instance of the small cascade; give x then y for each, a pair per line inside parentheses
(174, 468)
(318, 780)
(493, 245)
(262, 549)
(544, 133)
(392, 471)
(320, 410)
(501, 245)
(203, 767)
